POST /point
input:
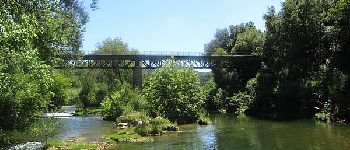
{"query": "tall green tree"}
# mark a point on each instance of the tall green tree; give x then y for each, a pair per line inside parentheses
(303, 68)
(239, 39)
(32, 35)
(98, 83)
(117, 47)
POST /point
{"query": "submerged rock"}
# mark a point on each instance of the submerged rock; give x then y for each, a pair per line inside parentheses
(29, 146)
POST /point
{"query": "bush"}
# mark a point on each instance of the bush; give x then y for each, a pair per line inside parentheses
(155, 126)
(239, 102)
(174, 92)
(214, 96)
(133, 119)
(250, 87)
(124, 100)
(59, 87)
(127, 135)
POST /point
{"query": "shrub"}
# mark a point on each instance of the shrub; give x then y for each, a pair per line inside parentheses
(155, 126)
(123, 101)
(239, 102)
(133, 119)
(174, 92)
(213, 96)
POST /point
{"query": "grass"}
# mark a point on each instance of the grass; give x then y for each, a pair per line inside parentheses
(127, 135)
(71, 145)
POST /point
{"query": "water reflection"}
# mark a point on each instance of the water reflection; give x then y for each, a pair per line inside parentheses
(90, 128)
(207, 135)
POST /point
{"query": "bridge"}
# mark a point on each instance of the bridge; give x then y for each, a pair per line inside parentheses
(144, 60)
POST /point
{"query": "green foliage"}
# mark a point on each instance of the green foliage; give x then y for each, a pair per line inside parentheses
(88, 111)
(251, 86)
(117, 76)
(204, 120)
(155, 126)
(98, 83)
(127, 135)
(174, 92)
(76, 145)
(239, 103)
(220, 51)
(305, 62)
(214, 96)
(133, 119)
(239, 39)
(24, 79)
(32, 35)
(250, 41)
(123, 101)
(37, 131)
(59, 87)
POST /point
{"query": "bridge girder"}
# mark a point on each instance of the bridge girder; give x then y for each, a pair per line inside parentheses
(155, 61)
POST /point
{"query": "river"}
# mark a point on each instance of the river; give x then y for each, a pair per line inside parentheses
(227, 132)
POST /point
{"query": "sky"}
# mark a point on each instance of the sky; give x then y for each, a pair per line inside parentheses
(169, 25)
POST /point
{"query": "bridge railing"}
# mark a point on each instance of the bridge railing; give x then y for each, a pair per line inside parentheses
(160, 53)
(171, 53)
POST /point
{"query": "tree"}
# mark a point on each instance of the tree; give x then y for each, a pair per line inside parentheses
(248, 42)
(221, 40)
(32, 34)
(117, 47)
(59, 88)
(24, 79)
(238, 39)
(214, 98)
(98, 83)
(294, 51)
(174, 92)
(303, 69)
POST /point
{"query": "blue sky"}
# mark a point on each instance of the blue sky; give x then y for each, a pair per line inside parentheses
(169, 25)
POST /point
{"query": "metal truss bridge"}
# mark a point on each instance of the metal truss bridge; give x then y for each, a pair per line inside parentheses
(157, 60)
(148, 60)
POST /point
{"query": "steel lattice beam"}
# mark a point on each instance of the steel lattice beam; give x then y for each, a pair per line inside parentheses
(156, 61)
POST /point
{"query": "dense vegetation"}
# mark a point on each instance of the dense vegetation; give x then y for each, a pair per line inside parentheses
(304, 69)
(34, 34)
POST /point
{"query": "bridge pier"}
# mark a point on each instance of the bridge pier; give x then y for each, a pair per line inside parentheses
(137, 75)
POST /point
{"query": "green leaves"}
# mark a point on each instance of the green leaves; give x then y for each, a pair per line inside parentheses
(174, 92)
(123, 101)
(32, 34)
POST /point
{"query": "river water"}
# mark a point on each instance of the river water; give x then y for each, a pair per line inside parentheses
(228, 132)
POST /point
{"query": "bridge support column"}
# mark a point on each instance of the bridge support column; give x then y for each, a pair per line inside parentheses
(137, 75)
